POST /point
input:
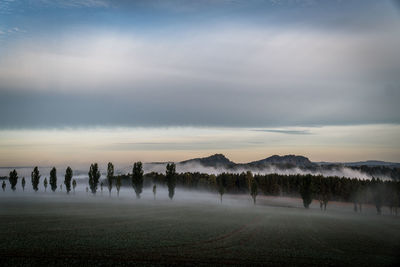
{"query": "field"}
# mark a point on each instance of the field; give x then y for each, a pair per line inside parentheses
(80, 230)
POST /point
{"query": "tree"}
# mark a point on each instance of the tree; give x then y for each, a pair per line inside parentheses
(249, 179)
(23, 183)
(45, 184)
(101, 187)
(378, 195)
(67, 179)
(154, 191)
(221, 185)
(171, 179)
(53, 179)
(254, 190)
(110, 175)
(94, 177)
(35, 177)
(306, 190)
(74, 185)
(323, 192)
(137, 178)
(3, 185)
(118, 185)
(13, 179)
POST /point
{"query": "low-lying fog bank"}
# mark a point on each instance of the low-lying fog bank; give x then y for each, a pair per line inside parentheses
(81, 173)
(182, 197)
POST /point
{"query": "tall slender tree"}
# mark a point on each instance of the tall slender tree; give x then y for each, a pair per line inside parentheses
(137, 178)
(23, 183)
(74, 185)
(53, 179)
(220, 179)
(45, 184)
(377, 187)
(118, 185)
(110, 175)
(68, 178)
(154, 191)
(306, 190)
(94, 177)
(254, 189)
(35, 177)
(171, 179)
(13, 179)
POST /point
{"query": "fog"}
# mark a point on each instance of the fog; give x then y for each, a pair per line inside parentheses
(81, 174)
(189, 198)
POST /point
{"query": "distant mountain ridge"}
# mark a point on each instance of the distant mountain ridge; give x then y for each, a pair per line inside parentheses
(371, 167)
(219, 160)
(216, 160)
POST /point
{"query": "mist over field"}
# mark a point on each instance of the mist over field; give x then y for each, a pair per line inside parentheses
(81, 173)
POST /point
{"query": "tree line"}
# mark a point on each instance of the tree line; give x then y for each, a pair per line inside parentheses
(308, 187)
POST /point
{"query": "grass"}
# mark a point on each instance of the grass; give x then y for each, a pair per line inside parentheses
(102, 231)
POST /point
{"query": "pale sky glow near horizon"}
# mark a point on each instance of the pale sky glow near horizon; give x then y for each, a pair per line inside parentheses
(97, 80)
(79, 147)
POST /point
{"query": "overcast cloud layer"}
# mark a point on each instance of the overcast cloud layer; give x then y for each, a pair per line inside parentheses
(185, 63)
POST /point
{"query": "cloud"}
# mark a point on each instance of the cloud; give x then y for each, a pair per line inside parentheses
(244, 77)
(75, 3)
(301, 132)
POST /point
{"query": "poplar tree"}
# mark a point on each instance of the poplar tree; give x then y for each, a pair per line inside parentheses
(110, 175)
(13, 179)
(118, 185)
(53, 179)
(254, 189)
(67, 179)
(74, 185)
(23, 183)
(94, 177)
(35, 177)
(154, 191)
(137, 178)
(171, 179)
(220, 185)
(306, 190)
(45, 184)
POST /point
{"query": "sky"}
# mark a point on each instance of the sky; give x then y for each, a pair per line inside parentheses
(98, 80)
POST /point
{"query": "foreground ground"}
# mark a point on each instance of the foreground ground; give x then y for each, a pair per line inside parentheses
(81, 230)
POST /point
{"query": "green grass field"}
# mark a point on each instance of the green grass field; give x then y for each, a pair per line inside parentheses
(109, 231)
